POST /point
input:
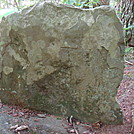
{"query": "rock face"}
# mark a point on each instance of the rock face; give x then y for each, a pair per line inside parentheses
(63, 60)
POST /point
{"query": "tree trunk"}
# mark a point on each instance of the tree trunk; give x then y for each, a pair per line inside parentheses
(126, 10)
(100, 3)
(104, 2)
(7, 5)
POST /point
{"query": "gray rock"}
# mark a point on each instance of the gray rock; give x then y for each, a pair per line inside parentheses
(63, 60)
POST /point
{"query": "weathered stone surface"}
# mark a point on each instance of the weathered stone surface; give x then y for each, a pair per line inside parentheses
(63, 60)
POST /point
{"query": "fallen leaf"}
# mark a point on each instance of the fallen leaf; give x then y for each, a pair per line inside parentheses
(15, 115)
(22, 127)
(72, 131)
(41, 115)
(97, 125)
(85, 132)
(76, 131)
(77, 123)
(132, 128)
(14, 127)
(36, 120)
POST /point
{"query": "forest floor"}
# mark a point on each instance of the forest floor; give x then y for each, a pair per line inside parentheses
(16, 120)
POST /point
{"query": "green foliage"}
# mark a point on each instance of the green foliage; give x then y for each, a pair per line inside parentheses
(5, 12)
(130, 27)
(78, 3)
(19, 4)
(128, 50)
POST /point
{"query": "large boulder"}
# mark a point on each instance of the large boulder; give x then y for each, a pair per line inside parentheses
(63, 60)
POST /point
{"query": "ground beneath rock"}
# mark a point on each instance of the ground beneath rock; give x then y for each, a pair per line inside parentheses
(41, 123)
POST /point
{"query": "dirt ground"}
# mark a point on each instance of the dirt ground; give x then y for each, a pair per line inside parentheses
(40, 123)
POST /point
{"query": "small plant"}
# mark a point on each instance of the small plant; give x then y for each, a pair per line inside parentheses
(128, 50)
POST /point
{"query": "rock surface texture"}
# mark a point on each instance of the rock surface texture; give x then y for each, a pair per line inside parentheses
(63, 60)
